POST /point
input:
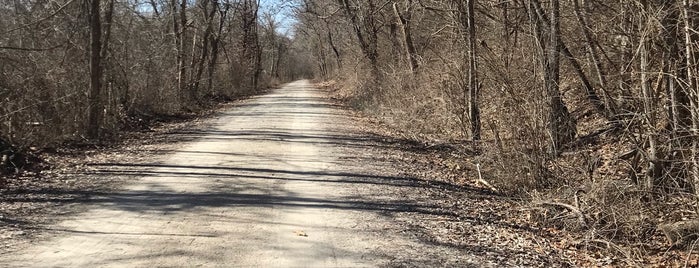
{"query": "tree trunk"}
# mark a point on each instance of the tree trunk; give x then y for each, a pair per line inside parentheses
(322, 58)
(338, 57)
(561, 125)
(473, 84)
(258, 50)
(281, 51)
(94, 95)
(590, 45)
(182, 72)
(110, 98)
(396, 44)
(562, 48)
(179, 57)
(192, 63)
(215, 42)
(367, 35)
(649, 111)
(250, 42)
(692, 89)
(406, 34)
(206, 38)
(154, 6)
(107, 29)
(505, 35)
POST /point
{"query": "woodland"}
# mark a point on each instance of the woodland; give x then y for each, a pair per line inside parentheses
(581, 108)
(587, 109)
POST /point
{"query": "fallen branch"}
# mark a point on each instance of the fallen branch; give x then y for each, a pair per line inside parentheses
(680, 233)
(630, 261)
(581, 217)
(484, 182)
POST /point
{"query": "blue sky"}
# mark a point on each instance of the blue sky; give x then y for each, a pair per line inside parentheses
(281, 8)
(283, 14)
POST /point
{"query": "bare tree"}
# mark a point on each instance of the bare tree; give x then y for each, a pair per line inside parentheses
(594, 55)
(473, 83)
(95, 98)
(215, 39)
(404, 20)
(467, 19)
(690, 43)
(250, 42)
(179, 24)
(366, 28)
(561, 127)
(135, 58)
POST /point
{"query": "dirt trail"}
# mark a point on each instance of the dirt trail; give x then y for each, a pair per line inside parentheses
(287, 179)
(265, 186)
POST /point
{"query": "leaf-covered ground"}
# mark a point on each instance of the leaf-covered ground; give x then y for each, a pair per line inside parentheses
(507, 231)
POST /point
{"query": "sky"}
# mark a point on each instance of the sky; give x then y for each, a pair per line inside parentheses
(283, 14)
(282, 10)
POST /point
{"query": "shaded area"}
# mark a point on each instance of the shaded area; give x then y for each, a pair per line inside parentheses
(272, 174)
(64, 230)
(329, 138)
(251, 181)
(146, 201)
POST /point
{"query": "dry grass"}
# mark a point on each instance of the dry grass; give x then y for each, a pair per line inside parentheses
(589, 190)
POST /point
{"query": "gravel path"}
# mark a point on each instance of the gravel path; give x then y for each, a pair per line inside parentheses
(286, 179)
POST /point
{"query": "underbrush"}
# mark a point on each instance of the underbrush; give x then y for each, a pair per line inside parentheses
(22, 151)
(592, 190)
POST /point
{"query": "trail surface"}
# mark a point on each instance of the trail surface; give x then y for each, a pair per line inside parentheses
(277, 181)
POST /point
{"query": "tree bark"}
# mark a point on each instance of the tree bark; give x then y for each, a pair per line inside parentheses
(95, 94)
(110, 97)
(253, 41)
(206, 41)
(561, 126)
(154, 6)
(505, 35)
(250, 42)
(322, 58)
(406, 34)
(562, 48)
(336, 50)
(649, 111)
(367, 35)
(473, 83)
(692, 89)
(179, 57)
(182, 72)
(215, 42)
(108, 18)
(590, 45)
